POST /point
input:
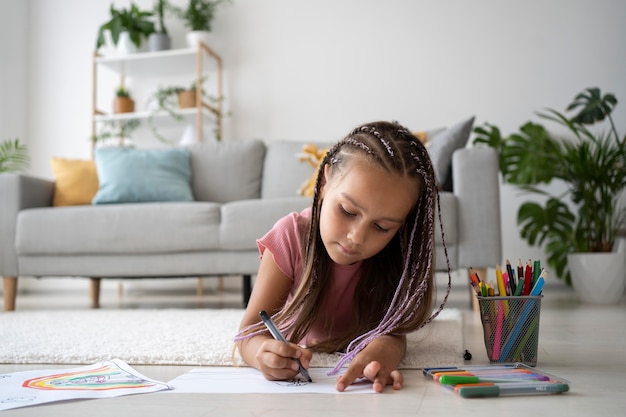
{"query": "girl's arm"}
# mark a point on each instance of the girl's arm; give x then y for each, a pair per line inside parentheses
(272, 357)
(378, 362)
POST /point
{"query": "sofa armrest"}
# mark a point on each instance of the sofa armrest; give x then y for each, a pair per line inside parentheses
(18, 192)
(477, 187)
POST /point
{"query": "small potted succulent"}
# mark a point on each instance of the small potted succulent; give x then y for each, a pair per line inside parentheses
(123, 102)
(128, 28)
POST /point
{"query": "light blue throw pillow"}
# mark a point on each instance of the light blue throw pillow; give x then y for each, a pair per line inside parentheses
(128, 175)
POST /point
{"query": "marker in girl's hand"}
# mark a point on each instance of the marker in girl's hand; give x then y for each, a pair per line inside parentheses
(278, 336)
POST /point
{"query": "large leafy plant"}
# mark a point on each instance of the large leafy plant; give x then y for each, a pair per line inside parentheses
(13, 156)
(132, 20)
(586, 217)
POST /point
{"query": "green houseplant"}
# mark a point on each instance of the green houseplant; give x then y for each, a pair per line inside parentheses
(123, 102)
(198, 16)
(173, 98)
(116, 132)
(586, 217)
(133, 21)
(13, 156)
(160, 39)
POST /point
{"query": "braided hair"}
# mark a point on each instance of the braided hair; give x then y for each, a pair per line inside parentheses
(399, 280)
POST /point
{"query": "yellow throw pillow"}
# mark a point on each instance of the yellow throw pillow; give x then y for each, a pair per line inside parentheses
(76, 181)
(314, 156)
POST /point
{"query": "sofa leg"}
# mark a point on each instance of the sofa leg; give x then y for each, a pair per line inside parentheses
(9, 286)
(94, 292)
(247, 289)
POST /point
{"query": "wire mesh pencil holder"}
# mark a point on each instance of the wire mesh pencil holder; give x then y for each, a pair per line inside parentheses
(511, 328)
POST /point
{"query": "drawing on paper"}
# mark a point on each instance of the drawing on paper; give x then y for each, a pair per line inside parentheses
(109, 376)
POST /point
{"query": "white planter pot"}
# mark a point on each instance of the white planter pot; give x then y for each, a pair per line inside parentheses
(196, 36)
(599, 278)
(125, 45)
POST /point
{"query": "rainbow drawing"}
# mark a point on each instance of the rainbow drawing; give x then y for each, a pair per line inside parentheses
(109, 376)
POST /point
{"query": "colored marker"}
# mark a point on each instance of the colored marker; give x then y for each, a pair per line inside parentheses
(468, 379)
(278, 336)
(496, 389)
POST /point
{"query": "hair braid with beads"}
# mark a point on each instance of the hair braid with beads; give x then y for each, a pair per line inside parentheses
(396, 291)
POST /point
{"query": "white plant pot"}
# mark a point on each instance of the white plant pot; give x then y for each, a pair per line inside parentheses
(599, 278)
(190, 136)
(196, 36)
(125, 45)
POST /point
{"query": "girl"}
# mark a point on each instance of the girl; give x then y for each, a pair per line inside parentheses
(354, 272)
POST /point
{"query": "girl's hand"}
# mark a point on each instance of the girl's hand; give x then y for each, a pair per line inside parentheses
(276, 359)
(378, 362)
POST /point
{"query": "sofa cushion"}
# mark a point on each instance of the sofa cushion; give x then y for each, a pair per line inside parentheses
(441, 147)
(130, 175)
(245, 221)
(227, 171)
(118, 229)
(281, 158)
(75, 181)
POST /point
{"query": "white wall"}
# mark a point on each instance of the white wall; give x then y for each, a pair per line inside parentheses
(13, 63)
(313, 70)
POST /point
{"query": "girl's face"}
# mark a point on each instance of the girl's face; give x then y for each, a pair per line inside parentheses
(363, 208)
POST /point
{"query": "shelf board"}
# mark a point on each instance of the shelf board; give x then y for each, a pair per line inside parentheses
(151, 64)
(186, 113)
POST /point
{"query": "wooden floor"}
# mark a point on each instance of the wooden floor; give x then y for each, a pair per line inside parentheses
(581, 343)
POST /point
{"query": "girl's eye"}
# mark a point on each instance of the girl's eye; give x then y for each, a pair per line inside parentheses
(381, 229)
(345, 212)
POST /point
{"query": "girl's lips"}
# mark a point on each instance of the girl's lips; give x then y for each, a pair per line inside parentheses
(346, 251)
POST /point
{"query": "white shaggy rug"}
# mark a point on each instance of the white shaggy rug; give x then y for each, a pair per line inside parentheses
(176, 337)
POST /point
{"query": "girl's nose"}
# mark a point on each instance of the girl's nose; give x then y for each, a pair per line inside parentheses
(356, 235)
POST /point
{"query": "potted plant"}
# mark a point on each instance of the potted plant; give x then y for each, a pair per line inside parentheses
(586, 218)
(128, 28)
(123, 103)
(160, 39)
(197, 16)
(173, 98)
(13, 156)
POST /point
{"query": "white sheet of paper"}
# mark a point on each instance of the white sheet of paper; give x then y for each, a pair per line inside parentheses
(245, 380)
(106, 379)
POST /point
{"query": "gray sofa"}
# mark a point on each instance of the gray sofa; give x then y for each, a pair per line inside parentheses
(240, 189)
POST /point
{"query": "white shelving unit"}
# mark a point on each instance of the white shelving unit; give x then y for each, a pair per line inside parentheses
(162, 64)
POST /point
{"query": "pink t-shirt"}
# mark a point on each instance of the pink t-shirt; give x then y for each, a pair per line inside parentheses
(284, 241)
